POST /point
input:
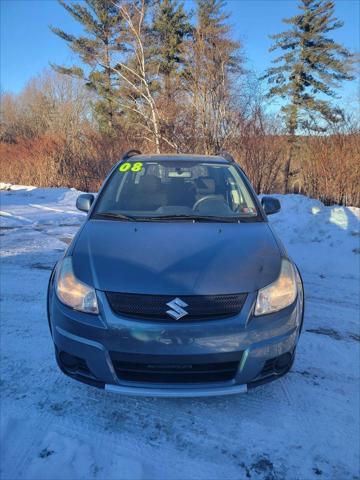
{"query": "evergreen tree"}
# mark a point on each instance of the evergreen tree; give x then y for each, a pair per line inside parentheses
(98, 49)
(309, 70)
(214, 64)
(211, 17)
(171, 27)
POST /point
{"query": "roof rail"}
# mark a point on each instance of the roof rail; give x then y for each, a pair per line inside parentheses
(130, 153)
(227, 156)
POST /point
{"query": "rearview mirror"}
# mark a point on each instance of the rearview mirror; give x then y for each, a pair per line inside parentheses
(270, 205)
(84, 201)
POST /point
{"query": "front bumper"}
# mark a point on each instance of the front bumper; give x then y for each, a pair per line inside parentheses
(252, 342)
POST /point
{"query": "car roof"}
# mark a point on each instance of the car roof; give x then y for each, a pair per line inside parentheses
(174, 157)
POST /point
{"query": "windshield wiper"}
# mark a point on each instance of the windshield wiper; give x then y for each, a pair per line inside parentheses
(115, 216)
(194, 218)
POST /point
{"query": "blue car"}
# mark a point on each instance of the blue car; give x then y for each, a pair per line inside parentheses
(176, 284)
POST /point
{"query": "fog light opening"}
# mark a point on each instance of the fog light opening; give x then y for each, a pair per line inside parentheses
(73, 364)
(69, 361)
(283, 362)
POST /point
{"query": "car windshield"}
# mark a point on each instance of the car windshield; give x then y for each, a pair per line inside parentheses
(176, 189)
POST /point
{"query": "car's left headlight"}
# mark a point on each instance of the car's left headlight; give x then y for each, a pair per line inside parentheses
(279, 294)
(73, 292)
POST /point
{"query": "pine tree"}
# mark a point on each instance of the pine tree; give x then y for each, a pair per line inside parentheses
(308, 72)
(213, 65)
(102, 23)
(211, 17)
(170, 28)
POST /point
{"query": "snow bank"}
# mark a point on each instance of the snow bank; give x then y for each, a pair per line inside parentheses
(314, 234)
(9, 186)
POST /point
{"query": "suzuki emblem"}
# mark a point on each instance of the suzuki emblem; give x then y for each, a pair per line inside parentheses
(177, 311)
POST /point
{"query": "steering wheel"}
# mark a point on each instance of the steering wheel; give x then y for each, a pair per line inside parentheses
(204, 199)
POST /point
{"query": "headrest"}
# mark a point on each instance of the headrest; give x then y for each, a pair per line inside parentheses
(149, 184)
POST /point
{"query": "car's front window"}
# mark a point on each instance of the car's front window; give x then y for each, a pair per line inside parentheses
(176, 189)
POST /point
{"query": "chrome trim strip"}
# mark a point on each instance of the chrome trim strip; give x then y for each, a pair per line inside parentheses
(175, 392)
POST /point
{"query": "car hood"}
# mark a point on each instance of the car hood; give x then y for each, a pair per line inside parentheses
(176, 258)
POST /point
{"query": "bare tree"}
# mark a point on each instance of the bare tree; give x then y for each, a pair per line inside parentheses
(261, 150)
(214, 64)
(50, 103)
(136, 73)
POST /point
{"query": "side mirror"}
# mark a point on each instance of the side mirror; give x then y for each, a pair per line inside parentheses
(84, 201)
(270, 205)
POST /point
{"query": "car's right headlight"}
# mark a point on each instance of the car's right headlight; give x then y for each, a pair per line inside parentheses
(72, 291)
(280, 294)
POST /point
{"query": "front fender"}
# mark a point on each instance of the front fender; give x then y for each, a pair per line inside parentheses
(49, 295)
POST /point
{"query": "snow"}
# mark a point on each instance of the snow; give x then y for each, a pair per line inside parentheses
(305, 425)
(9, 186)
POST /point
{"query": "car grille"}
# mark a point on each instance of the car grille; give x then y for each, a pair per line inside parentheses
(153, 307)
(171, 371)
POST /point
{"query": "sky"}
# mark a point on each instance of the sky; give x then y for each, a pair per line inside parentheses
(28, 46)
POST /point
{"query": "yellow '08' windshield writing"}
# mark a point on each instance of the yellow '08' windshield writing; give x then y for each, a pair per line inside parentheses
(130, 167)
